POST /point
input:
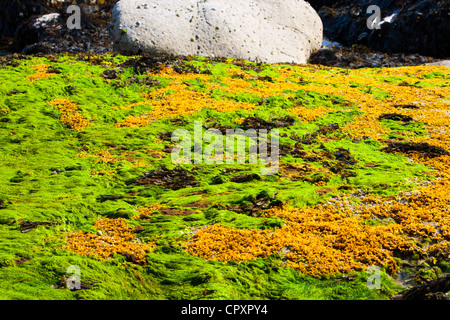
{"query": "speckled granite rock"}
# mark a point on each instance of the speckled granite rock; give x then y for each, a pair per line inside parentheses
(265, 30)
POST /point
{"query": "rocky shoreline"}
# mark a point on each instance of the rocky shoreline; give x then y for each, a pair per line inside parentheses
(42, 29)
(92, 123)
(359, 56)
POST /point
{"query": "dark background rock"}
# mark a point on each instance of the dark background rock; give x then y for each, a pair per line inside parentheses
(431, 290)
(18, 32)
(421, 26)
(14, 12)
(359, 56)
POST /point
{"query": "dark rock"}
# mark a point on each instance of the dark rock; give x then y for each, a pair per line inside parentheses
(57, 171)
(14, 91)
(174, 179)
(258, 123)
(40, 26)
(21, 260)
(417, 26)
(431, 290)
(106, 197)
(14, 12)
(245, 178)
(359, 56)
(262, 201)
(395, 117)
(130, 257)
(422, 148)
(26, 225)
(407, 106)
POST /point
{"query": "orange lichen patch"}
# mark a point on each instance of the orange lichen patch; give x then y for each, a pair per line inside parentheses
(116, 237)
(426, 213)
(429, 98)
(441, 164)
(233, 86)
(103, 156)
(223, 243)
(41, 72)
(111, 156)
(69, 114)
(178, 99)
(84, 155)
(181, 102)
(411, 73)
(422, 215)
(4, 110)
(75, 121)
(138, 164)
(64, 105)
(146, 211)
(259, 87)
(366, 125)
(315, 241)
(307, 114)
(440, 250)
(134, 122)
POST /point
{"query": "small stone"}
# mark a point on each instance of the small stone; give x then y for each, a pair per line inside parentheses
(57, 171)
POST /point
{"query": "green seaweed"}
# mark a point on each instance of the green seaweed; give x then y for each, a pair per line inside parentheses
(34, 144)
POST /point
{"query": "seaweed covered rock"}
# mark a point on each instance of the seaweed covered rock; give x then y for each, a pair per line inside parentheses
(431, 290)
(264, 30)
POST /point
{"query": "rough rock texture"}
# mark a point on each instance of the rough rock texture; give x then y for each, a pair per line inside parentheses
(431, 290)
(31, 26)
(265, 30)
(359, 56)
(410, 26)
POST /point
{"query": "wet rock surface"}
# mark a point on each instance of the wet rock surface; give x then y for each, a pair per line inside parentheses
(424, 148)
(412, 26)
(431, 290)
(175, 179)
(360, 56)
(27, 226)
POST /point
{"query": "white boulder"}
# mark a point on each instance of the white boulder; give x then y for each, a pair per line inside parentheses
(269, 31)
